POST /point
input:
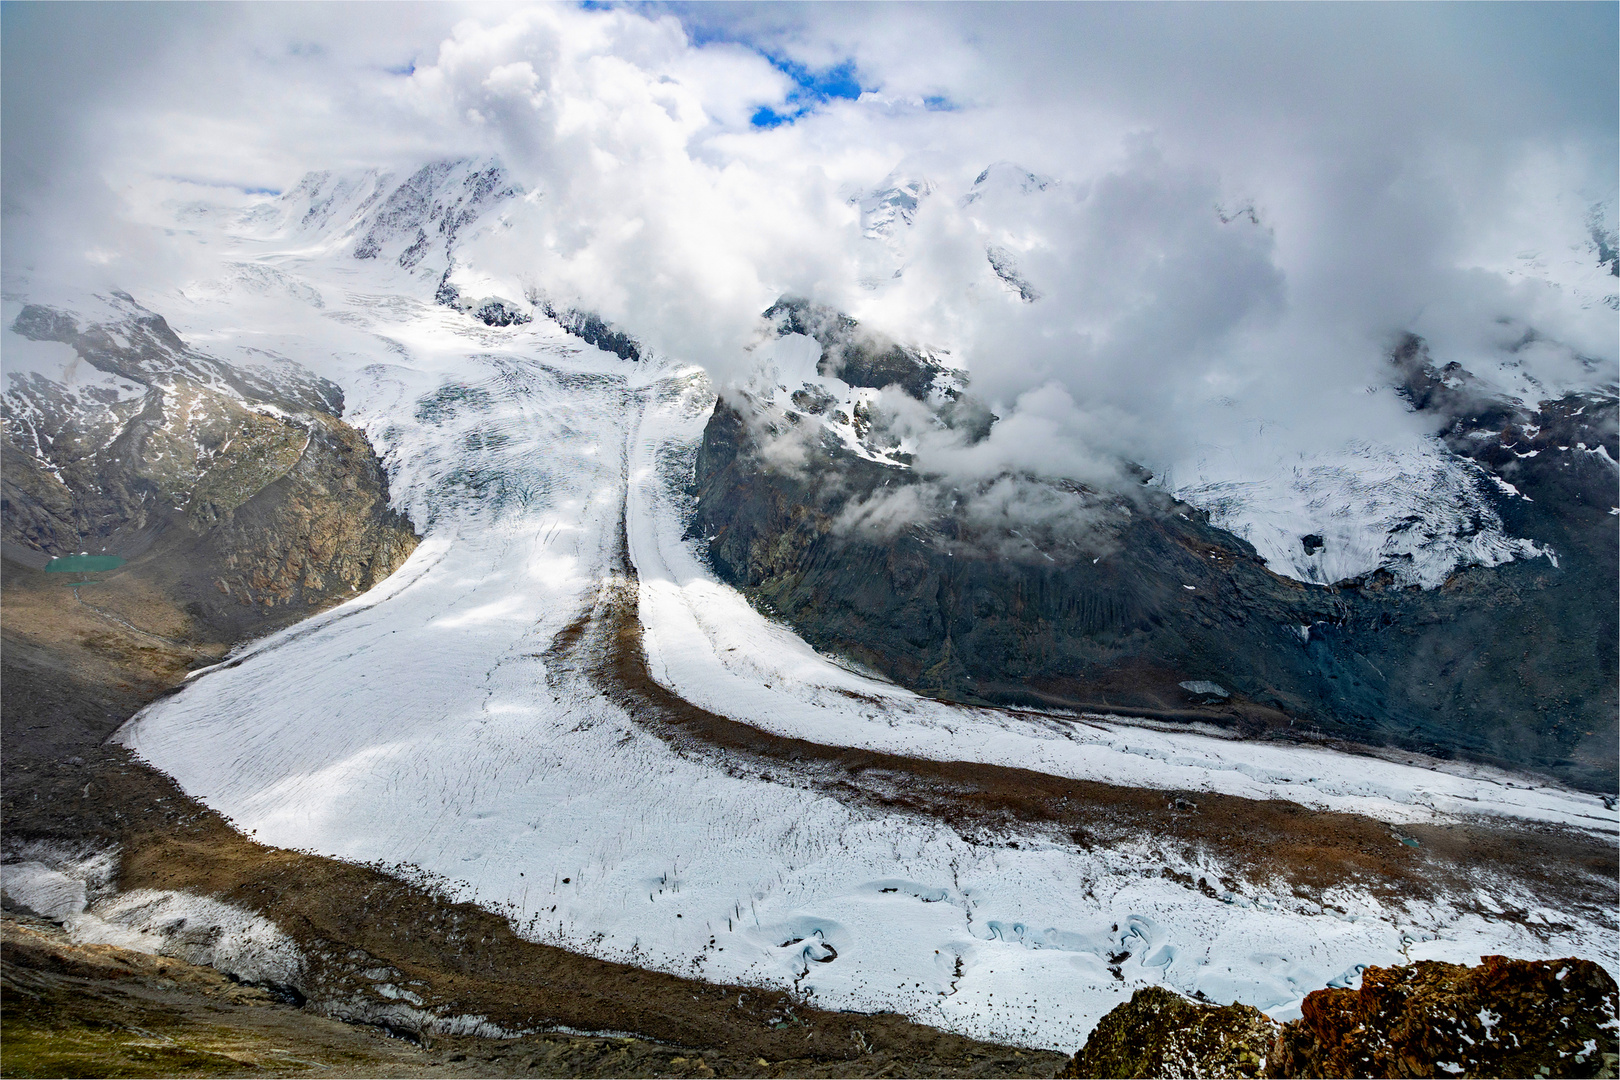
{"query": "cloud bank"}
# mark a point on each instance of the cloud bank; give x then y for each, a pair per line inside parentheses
(1203, 230)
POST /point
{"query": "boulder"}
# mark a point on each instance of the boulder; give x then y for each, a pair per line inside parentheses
(1503, 1018)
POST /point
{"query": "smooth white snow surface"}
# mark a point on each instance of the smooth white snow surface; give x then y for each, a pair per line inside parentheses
(419, 723)
(1417, 511)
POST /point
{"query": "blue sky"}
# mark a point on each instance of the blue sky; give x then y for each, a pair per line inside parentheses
(813, 88)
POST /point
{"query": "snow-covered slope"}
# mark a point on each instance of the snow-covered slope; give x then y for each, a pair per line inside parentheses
(1416, 511)
(431, 722)
(891, 207)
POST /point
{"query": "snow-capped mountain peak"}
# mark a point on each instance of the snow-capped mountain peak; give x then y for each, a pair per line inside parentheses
(892, 205)
(413, 221)
(1004, 176)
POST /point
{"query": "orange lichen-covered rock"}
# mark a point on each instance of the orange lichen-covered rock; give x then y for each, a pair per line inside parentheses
(1504, 1018)
(1160, 1033)
(1524, 1018)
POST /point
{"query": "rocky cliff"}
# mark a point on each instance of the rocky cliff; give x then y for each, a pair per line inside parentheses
(1132, 602)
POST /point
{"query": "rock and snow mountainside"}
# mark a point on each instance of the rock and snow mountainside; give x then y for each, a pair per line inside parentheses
(233, 488)
(1418, 508)
(1139, 603)
(1453, 584)
(556, 705)
(419, 225)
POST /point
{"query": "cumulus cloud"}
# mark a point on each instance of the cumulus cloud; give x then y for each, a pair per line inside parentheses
(618, 124)
(1236, 209)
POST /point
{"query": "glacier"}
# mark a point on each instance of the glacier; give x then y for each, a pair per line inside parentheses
(429, 724)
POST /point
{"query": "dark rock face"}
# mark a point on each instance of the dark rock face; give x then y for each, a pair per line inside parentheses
(1160, 1033)
(1507, 1018)
(588, 326)
(241, 518)
(1513, 665)
(500, 313)
(492, 311)
(316, 535)
(1005, 265)
(850, 354)
(447, 294)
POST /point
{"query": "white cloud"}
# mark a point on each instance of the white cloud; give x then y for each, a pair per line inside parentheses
(1379, 169)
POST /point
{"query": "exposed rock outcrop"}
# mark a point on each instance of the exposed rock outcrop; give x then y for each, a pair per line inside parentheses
(590, 327)
(1504, 1018)
(238, 493)
(1133, 595)
(1160, 1033)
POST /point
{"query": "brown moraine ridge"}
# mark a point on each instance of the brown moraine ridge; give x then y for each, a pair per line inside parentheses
(1279, 843)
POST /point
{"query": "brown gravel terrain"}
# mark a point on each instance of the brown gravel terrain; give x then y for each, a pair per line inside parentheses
(99, 1011)
(95, 1010)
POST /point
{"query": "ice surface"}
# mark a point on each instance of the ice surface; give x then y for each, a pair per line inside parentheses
(1414, 510)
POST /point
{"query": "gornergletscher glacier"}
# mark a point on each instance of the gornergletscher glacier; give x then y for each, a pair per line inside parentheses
(478, 717)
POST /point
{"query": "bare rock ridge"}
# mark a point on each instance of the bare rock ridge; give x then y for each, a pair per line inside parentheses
(589, 327)
(1512, 664)
(237, 493)
(1507, 1018)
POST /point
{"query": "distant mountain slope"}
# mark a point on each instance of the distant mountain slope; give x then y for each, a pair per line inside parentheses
(1141, 604)
(232, 489)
